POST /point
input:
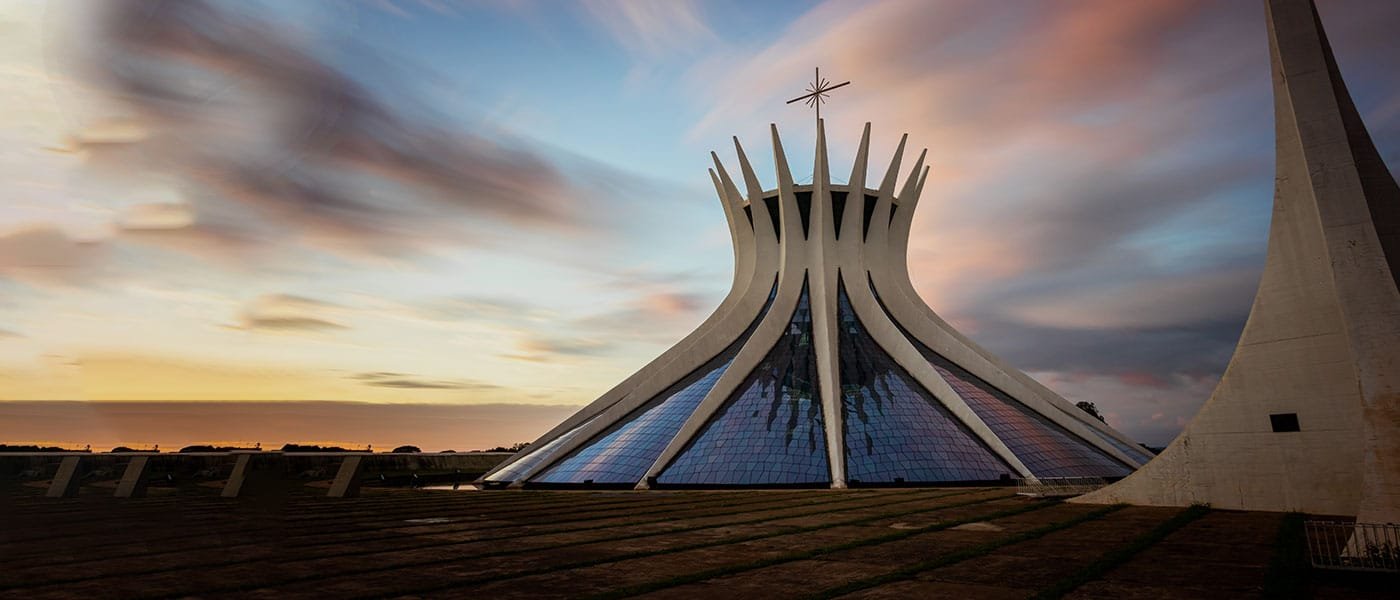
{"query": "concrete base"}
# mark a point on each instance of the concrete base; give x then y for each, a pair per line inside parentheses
(241, 469)
(65, 482)
(347, 479)
(133, 481)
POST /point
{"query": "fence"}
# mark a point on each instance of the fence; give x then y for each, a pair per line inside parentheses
(1353, 546)
(1058, 487)
(238, 473)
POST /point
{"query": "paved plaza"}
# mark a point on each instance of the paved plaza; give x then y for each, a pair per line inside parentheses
(891, 543)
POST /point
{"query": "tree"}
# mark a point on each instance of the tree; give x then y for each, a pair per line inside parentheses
(407, 450)
(1089, 407)
(312, 448)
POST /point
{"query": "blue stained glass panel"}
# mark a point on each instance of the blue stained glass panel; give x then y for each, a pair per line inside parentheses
(770, 431)
(1046, 448)
(1043, 446)
(1137, 452)
(527, 462)
(894, 428)
(623, 455)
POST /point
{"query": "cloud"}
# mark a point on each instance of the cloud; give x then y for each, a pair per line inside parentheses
(288, 313)
(402, 381)
(656, 317)
(156, 216)
(659, 306)
(535, 347)
(237, 110)
(47, 255)
(373, 375)
(650, 29)
(7, 334)
(469, 307)
(1152, 301)
(1151, 412)
(672, 303)
(174, 424)
(253, 322)
(569, 346)
(41, 247)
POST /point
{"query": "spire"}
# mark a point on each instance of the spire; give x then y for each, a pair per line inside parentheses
(906, 195)
(755, 190)
(1326, 158)
(851, 219)
(892, 172)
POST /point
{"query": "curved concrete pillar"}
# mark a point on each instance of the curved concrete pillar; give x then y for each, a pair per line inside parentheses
(792, 277)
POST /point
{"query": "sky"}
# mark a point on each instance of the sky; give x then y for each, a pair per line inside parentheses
(452, 223)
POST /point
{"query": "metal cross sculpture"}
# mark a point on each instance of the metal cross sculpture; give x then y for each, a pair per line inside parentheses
(818, 92)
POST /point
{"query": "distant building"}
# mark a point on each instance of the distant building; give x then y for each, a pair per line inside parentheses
(822, 368)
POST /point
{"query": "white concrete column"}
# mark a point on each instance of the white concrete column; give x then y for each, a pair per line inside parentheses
(65, 482)
(133, 481)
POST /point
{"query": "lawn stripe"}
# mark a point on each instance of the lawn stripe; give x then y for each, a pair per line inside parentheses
(661, 584)
(237, 511)
(713, 510)
(311, 520)
(1287, 577)
(1122, 554)
(440, 586)
(361, 526)
(910, 571)
(623, 536)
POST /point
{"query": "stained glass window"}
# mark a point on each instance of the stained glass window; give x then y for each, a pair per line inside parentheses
(770, 431)
(1133, 451)
(1046, 448)
(527, 462)
(623, 455)
(895, 430)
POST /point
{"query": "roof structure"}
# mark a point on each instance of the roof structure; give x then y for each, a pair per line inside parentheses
(822, 367)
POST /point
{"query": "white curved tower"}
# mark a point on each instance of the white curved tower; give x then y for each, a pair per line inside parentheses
(822, 367)
(1307, 415)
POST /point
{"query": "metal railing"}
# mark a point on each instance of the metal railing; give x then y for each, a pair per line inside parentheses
(1058, 487)
(1353, 546)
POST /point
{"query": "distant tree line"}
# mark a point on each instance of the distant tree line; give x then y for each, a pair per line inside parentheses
(212, 448)
(513, 448)
(1089, 407)
(32, 448)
